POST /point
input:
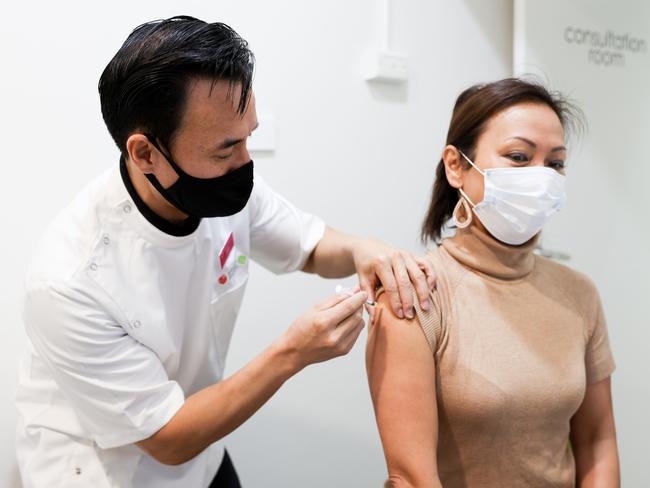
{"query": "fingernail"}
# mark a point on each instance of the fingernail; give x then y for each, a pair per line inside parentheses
(425, 305)
(409, 313)
(400, 314)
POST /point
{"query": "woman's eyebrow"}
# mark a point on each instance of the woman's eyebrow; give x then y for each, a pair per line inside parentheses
(534, 146)
(527, 141)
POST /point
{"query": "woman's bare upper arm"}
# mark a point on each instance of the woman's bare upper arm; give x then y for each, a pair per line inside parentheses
(593, 438)
(401, 374)
(595, 417)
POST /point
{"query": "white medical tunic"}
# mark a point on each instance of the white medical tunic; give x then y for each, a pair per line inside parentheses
(125, 321)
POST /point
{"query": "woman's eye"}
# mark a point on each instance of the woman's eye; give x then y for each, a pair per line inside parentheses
(518, 157)
(556, 164)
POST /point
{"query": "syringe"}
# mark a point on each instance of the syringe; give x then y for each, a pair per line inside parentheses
(342, 290)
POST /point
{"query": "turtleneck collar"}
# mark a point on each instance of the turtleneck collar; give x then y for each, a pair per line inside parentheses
(478, 250)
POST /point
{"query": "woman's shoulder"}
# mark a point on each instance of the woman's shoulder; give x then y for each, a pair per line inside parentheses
(570, 281)
(555, 270)
(449, 273)
(432, 320)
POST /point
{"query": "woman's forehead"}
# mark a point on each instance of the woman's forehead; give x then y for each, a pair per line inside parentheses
(535, 121)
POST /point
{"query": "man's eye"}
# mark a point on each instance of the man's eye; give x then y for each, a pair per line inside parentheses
(518, 157)
(223, 158)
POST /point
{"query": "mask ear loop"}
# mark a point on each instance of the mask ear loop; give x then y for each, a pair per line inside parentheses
(167, 156)
(472, 163)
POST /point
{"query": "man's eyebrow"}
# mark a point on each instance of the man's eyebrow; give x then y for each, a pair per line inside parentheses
(228, 143)
(232, 142)
(534, 146)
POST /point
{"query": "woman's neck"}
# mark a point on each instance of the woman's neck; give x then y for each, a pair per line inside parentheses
(478, 250)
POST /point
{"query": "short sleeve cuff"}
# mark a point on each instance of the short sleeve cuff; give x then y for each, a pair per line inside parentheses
(153, 423)
(600, 370)
(313, 234)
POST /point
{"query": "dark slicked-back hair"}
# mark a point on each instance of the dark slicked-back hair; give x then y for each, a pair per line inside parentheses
(144, 87)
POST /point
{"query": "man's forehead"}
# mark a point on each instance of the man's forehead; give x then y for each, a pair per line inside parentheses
(212, 102)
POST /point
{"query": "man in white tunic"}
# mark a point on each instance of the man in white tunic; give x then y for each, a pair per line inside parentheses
(134, 290)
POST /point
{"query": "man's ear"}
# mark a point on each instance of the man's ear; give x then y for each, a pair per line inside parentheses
(453, 166)
(142, 153)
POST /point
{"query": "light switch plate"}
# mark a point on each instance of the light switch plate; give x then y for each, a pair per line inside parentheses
(387, 67)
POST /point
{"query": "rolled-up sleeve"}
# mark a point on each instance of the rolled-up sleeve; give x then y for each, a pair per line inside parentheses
(282, 236)
(118, 387)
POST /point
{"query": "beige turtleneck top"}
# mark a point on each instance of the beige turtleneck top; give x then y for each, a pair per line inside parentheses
(516, 338)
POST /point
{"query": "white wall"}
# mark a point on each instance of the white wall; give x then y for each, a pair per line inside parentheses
(361, 157)
(605, 226)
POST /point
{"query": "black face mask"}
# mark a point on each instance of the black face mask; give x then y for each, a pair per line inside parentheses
(206, 197)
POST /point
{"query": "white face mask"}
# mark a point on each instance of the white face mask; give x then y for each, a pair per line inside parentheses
(517, 202)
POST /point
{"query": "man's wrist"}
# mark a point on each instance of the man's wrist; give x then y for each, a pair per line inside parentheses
(352, 244)
(285, 358)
